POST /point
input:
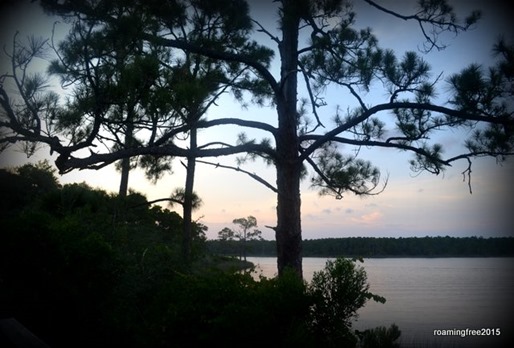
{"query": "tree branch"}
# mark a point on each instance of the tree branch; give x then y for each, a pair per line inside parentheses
(218, 55)
(320, 140)
(66, 163)
(238, 169)
(314, 104)
(318, 171)
(468, 172)
(404, 147)
(171, 200)
(265, 31)
(238, 122)
(441, 18)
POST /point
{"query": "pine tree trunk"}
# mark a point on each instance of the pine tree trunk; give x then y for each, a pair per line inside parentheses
(187, 234)
(288, 230)
(244, 245)
(125, 162)
(125, 170)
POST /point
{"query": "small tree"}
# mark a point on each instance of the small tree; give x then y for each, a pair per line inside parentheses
(247, 231)
(338, 291)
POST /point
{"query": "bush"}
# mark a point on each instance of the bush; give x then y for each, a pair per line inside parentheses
(380, 337)
(338, 291)
(216, 308)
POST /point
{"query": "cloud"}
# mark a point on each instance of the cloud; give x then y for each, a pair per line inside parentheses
(348, 211)
(327, 211)
(370, 218)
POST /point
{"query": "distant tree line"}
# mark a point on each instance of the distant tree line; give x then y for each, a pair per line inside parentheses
(384, 247)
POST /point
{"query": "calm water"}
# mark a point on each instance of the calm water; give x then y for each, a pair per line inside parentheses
(427, 294)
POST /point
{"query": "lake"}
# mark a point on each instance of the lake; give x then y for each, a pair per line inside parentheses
(427, 294)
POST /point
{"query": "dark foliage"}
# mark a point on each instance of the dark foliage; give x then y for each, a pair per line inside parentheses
(380, 337)
(83, 268)
(74, 260)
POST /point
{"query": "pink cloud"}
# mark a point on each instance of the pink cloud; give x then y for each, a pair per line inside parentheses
(370, 218)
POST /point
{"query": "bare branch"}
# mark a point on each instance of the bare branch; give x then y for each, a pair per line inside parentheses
(468, 172)
(441, 18)
(238, 122)
(265, 31)
(170, 200)
(238, 169)
(314, 103)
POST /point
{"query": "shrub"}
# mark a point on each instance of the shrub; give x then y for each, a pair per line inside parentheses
(380, 337)
(338, 291)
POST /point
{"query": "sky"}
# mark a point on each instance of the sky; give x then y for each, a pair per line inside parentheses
(411, 205)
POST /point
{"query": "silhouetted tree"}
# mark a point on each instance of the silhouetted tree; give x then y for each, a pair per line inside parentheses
(332, 52)
(246, 231)
(115, 76)
(24, 184)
